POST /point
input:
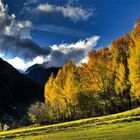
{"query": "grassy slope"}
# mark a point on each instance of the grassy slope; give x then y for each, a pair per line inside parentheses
(122, 126)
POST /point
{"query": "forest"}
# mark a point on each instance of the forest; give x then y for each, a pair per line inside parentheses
(107, 84)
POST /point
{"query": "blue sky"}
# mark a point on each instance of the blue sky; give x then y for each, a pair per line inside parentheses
(68, 21)
(110, 19)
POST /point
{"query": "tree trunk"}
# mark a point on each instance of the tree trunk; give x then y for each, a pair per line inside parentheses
(129, 102)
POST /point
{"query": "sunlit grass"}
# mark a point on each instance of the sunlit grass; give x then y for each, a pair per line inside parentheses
(123, 126)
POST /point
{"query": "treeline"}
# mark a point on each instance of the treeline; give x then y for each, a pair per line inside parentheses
(108, 83)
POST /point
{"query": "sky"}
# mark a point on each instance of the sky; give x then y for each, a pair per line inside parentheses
(54, 31)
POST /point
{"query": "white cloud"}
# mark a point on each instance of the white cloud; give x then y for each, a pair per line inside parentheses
(20, 64)
(15, 39)
(9, 26)
(74, 13)
(60, 54)
(17, 63)
(78, 52)
(1, 54)
(46, 8)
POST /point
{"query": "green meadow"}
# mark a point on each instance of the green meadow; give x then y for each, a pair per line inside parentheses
(121, 126)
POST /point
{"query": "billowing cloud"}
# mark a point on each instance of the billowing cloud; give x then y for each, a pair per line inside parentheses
(10, 27)
(20, 64)
(16, 42)
(60, 54)
(73, 13)
(24, 48)
(15, 39)
(77, 52)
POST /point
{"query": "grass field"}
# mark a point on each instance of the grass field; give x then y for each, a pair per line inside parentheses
(121, 126)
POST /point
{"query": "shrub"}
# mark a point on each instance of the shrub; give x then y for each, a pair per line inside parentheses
(38, 113)
(0, 126)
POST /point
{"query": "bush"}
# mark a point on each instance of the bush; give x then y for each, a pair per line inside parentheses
(23, 121)
(0, 126)
(38, 113)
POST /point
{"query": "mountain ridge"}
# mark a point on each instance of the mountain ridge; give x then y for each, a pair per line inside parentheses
(40, 74)
(17, 91)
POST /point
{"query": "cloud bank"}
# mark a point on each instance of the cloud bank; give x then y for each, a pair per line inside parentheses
(78, 52)
(20, 64)
(60, 54)
(16, 42)
(73, 13)
(15, 39)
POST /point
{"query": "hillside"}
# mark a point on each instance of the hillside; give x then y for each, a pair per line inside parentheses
(16, 92)
(121, 126)
(40, 74)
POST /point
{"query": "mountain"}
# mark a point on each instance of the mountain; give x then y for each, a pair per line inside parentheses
(17, 91)
(40, 74)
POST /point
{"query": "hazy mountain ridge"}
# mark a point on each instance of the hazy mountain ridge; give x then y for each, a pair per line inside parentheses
(40, 74)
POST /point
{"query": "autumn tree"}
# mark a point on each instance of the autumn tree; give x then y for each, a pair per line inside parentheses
(120, 54)
(98, 69)
(107, 83)
(134, 60)
(61, 92)
(71, 89)
(97, 74)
